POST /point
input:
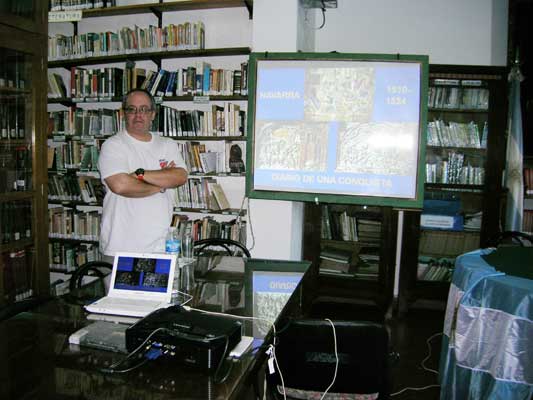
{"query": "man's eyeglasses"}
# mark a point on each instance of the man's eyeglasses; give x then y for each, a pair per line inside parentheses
(134, 110)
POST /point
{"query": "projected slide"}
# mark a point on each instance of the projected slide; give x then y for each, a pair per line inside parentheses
(345, 127)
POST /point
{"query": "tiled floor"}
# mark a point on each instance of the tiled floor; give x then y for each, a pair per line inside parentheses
(409, 336)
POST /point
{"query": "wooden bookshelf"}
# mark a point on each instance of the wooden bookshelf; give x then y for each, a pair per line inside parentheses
(158, 8)
(487, 198)
(151, 55)
(24, 245)
(356, 285)
(161, 59)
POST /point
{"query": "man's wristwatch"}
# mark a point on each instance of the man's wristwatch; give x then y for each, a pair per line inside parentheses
(140, 173)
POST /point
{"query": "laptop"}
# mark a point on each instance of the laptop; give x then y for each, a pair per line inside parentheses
(140, 283)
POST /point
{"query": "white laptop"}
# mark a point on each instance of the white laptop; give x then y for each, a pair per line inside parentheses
(140, 283)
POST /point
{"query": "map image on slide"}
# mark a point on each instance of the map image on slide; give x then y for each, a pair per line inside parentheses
(155, 280)
(292, 145)
(339, 94)
(378, 148)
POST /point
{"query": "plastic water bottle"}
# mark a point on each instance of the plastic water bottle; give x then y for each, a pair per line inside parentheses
(172, 241)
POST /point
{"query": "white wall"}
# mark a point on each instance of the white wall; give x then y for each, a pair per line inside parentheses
(467, 32)
(275, 227)
(472, 32)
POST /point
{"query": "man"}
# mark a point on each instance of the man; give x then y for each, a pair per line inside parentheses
(137, 167)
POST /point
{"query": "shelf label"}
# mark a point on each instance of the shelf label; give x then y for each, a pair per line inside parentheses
(64, 16)
(450, 82)
(200, 99)
(471, 83)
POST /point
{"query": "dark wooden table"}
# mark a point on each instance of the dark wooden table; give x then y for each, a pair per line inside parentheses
(37, 361)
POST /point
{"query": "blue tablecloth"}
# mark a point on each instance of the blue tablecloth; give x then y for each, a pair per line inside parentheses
(487, 349)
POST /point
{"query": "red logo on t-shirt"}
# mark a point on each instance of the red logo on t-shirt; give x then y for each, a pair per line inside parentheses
(163, 163)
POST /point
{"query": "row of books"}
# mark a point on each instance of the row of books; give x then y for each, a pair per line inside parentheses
(108, 83)
(13, 68)
(451, 97)
(453, 171)
(528, 181)
(207, 227)
(430, 269)
(74, 187)
(16, 170)
(200, 80)
(69, 223)
(227, 159)
(68, 5)
(75, 121)
(447, 243)
(361, 227)
(472, 221)
(69, 256)
(336, 260)
(364, 265)
(127, 40)
(202, 193)
(227, 120)
(16, 221)
(217, 120)
(456, 134)
(527, 222)
(74, 154)
(17, 275)
(12, 118)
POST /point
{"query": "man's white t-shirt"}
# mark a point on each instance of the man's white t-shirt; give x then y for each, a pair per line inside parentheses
(136, 224)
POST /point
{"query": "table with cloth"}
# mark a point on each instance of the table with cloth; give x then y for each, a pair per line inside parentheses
(487, 349)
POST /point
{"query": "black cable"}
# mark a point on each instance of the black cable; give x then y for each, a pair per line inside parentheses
(228, 372)
(112, 368)
(122, 371)
(323, 16)
(219, 366)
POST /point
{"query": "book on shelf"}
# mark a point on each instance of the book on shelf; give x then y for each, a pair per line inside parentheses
(472, 221)
(431, 269)
(447, 243)
(329, 266)
(527, 222)
(17, 275)
(528, 181)
(343, 256)
(219, 195)
(367, 269)
(208, 160)
(56, 86)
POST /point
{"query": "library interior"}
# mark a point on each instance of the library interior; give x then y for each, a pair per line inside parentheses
(266, 199)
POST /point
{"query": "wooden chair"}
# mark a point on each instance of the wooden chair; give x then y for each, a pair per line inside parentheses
(91, 268)
(510, 238)
(217, 245)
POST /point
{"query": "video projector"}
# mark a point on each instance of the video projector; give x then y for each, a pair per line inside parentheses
(187, 336)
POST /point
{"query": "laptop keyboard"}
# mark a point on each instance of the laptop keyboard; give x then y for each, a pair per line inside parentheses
(128, 304)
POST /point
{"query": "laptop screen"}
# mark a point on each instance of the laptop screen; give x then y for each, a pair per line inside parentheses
(142, 274)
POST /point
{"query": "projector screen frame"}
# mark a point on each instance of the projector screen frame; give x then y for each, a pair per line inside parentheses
(415, 202)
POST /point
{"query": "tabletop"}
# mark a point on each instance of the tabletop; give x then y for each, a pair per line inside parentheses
(37, 361)
(487, 350)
